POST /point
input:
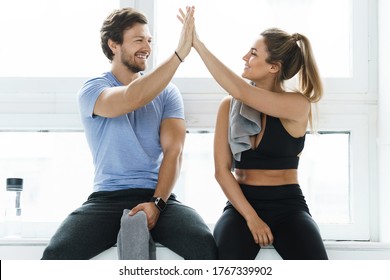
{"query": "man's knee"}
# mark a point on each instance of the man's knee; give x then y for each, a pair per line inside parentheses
(50, 254)
(203, 247)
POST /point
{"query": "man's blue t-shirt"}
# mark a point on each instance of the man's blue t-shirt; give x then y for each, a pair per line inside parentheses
(126, 150)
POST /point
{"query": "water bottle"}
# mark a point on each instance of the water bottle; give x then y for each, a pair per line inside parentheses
(13, 208)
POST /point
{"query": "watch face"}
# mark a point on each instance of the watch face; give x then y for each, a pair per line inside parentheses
(160, 203)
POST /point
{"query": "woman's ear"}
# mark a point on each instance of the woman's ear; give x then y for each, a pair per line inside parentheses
(275, 68)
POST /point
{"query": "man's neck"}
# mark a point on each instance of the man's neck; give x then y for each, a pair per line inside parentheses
(124, 75)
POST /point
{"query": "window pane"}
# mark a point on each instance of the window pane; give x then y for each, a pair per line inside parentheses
(46, 38)
(324, 176)
(197, 186)
(230, 27)
(58, 175)
(56, 168)
(323, 172)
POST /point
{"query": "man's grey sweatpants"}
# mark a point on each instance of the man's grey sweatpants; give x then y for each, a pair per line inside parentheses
(94, 227)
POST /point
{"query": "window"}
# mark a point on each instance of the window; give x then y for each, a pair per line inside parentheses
(57, 173)
(54, 165)
(238, 26)
(332, 173)
(40, 75)
(328, 197)
(53, 38)
(346, 113)
(340, 45)
(57, 170)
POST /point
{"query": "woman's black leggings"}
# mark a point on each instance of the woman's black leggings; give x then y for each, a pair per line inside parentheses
(284, 209)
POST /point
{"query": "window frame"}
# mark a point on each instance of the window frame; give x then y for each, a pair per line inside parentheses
(348, 105)
(360, 122)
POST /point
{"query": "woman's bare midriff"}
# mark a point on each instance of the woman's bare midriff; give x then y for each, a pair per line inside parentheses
(262, 177)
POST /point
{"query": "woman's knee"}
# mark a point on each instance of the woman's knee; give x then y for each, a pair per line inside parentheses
(299, 238)
(234, 239)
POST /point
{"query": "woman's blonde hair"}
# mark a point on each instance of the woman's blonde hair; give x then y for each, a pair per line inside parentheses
(294, 55)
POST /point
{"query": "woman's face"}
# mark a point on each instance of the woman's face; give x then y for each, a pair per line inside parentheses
(256, 67)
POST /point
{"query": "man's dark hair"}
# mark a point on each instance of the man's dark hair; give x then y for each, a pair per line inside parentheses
(115, 24)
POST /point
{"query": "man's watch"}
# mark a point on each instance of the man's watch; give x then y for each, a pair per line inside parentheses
(159, 202)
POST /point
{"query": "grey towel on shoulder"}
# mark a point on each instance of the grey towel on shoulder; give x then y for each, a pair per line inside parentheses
(244, 121)
(134, 239)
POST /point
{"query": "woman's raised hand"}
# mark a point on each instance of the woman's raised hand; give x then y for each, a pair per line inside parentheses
(187, 32)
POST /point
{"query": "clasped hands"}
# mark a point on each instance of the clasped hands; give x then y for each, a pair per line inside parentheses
(188, 35)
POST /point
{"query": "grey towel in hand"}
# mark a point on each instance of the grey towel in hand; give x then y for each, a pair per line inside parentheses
(134, 239)
(244, 121)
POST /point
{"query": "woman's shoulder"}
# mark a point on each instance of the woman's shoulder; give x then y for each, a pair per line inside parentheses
(299, 95)
(224, 107)
(226, 101)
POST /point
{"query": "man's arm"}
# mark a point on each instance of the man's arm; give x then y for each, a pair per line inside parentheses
(172, 136)
(117, 101)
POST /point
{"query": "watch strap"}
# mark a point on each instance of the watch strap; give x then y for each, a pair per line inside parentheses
(159, 203)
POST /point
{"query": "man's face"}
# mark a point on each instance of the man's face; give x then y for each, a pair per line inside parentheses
(136, 48)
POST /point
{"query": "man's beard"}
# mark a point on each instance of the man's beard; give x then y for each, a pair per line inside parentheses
(131, 66)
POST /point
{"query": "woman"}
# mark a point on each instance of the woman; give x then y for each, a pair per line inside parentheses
(260, 131)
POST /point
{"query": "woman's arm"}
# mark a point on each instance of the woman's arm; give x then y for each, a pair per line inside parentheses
(223, 162)
(292, 106)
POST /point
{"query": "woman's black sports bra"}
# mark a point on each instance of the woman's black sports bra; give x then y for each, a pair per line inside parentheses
(276, 150)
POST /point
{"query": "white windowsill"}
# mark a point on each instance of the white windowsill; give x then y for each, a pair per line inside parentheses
(32, 249)
(332, 245)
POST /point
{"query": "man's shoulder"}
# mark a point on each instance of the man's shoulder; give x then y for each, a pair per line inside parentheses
(105, 78)
(171, 88)
(98, 83)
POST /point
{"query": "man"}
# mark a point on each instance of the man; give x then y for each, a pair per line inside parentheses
(134, 125)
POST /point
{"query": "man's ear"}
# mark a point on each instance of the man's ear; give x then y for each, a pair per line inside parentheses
(113, 46)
